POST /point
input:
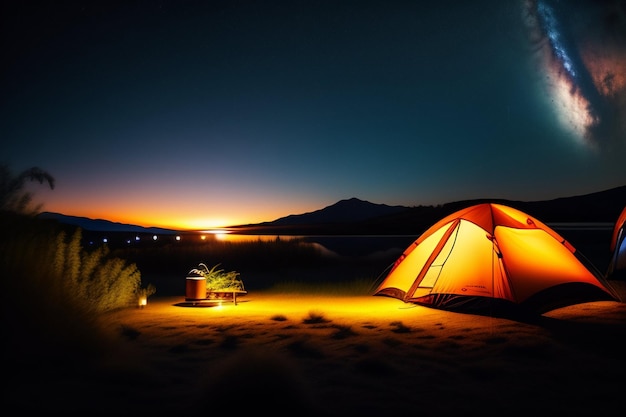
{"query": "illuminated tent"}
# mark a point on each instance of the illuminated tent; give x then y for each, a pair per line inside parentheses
(491, 258)
(617, 265)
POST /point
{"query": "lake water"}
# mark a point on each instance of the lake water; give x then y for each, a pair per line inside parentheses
(343, 245)
(591, 239)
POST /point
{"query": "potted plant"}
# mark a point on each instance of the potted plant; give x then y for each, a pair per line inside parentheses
(220, 284)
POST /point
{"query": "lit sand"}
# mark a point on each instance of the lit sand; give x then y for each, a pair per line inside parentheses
(337, 355)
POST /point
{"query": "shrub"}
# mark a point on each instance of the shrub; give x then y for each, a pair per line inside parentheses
(218, 279)
(49, 262)
(53, 293)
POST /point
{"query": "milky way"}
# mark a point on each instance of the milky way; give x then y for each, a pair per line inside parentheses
(580, 46)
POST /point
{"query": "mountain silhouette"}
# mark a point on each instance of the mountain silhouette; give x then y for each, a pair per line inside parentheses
(343, 211)
(101, 225)
(356, 216)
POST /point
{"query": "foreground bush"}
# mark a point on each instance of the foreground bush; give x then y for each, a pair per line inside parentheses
(46, 261)
(54, 291)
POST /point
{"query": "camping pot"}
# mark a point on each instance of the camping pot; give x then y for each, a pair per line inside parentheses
(195, 288)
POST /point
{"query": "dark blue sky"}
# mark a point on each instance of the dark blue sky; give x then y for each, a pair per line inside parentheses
(200, 114)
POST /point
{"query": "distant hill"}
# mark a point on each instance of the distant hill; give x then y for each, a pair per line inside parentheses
(100, 225)
(344, 211)
(355, 216)
(358, 217)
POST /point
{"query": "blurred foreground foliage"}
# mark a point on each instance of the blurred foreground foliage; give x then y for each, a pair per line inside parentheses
(54, 291)
(44, 260)
(14, 197)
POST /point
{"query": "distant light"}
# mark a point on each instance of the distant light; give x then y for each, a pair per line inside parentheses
(203, 237)
(105, 240)
(177, 237)
(221, 235)
(142, 301)
(128, 241)
(217, 231)
(136, 237)
(154, 237)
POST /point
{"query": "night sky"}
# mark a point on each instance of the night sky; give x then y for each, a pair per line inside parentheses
(198, 114)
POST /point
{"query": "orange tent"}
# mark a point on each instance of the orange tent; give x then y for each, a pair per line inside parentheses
(490, 256)
(617, 265)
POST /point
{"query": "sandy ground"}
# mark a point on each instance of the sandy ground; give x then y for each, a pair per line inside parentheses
(358, 355)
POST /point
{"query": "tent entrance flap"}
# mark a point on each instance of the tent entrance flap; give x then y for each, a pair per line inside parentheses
(426, 270)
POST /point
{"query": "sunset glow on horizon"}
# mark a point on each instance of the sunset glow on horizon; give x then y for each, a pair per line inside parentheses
(161, 214)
